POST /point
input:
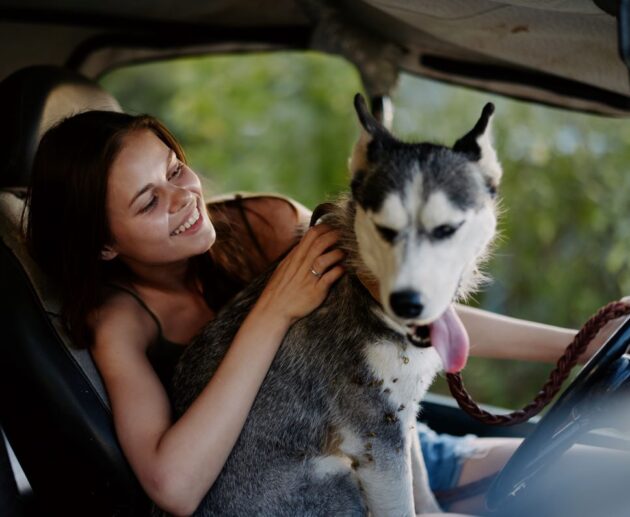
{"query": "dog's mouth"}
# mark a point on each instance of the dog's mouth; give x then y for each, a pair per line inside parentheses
(419, 335)
(447, 335)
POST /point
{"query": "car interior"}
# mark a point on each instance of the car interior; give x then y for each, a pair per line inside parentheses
(54, 411)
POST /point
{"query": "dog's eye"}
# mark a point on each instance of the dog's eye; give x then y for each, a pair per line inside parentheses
(387, 233)
(492, 188)
(443, 231)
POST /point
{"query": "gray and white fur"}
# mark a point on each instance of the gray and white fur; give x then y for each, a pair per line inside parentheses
(332, 430)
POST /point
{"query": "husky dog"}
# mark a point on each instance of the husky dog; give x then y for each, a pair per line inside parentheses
(332, 430)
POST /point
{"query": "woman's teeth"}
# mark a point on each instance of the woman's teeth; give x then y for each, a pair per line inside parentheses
(192, 220)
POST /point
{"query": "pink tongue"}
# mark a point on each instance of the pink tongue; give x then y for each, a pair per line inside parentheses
(450, 340)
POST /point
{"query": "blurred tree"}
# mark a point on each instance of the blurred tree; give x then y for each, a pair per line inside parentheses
(284, 122)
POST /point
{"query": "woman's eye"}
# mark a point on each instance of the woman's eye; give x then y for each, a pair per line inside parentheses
(177, 171)
(443, 231)
(388, 234)
(149, 205)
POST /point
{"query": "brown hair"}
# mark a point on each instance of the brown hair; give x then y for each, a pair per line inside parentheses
(67, 224)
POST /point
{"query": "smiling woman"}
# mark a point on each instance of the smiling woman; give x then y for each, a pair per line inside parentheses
(133, 247)
(111, 164)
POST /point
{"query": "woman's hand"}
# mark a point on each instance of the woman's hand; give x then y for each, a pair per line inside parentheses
(301, 281)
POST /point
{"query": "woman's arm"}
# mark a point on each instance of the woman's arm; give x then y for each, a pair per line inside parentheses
(502, 337)
(177, 463)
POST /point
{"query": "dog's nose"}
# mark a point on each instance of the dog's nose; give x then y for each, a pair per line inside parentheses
(406, 304)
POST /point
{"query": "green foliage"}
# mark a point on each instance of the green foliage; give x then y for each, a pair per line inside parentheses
(285, 122)
(257, 123)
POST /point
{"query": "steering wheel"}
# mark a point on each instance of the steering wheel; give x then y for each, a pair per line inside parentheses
(606, 372)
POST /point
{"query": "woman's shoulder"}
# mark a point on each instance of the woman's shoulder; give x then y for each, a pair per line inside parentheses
(121, 323)
(274, 220)
(282, 208)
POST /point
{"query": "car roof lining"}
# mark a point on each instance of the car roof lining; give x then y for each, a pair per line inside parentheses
(562, 54)
(522, 71)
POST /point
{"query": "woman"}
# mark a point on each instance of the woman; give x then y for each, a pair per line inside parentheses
(118, 218)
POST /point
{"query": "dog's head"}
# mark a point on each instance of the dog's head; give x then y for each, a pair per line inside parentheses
(425, 215)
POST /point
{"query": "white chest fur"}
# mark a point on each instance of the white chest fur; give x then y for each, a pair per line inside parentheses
(406, 374)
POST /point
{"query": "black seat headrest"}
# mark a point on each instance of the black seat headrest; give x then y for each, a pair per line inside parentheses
(31, 101)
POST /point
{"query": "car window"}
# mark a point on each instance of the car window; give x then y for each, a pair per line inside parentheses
(285, 122)
(268, 122)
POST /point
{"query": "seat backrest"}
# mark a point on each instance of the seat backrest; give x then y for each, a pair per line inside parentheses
(53, 407)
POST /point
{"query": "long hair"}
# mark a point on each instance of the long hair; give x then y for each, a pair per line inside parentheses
(67, 224)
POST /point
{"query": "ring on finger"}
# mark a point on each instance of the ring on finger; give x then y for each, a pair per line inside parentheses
(318, 275)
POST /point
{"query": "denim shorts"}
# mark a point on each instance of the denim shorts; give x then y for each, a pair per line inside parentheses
(444, 456)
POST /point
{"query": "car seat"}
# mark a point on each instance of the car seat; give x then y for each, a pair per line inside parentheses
(53, 407)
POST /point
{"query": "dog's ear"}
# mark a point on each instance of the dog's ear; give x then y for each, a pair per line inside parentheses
(371, 129)
(477, 146)
(370, 125)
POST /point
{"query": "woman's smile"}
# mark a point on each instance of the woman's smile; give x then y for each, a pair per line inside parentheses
(190, 225)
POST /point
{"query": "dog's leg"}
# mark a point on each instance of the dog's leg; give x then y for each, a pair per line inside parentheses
(386, 480)
(423, 499)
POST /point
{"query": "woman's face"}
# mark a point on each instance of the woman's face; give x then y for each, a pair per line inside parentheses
(155, 205)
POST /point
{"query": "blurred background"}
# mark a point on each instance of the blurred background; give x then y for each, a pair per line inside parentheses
(284, 122)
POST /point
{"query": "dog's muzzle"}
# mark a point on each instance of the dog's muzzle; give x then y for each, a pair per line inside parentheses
(420, 336)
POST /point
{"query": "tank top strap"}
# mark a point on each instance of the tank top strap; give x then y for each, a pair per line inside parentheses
(142, 304)
(239, 199)
(252, 235)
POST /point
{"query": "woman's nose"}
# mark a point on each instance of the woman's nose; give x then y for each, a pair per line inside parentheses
(180, 198)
